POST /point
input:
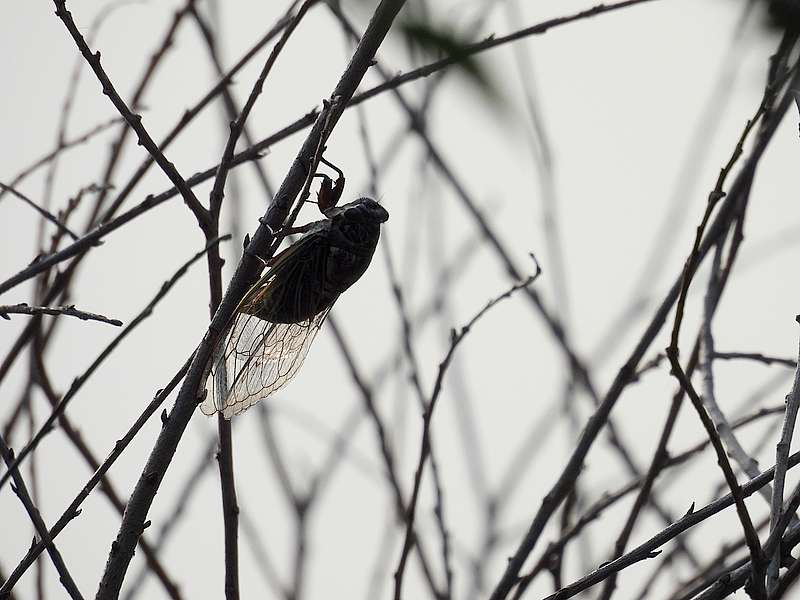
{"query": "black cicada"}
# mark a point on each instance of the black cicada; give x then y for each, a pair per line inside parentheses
(278, 318)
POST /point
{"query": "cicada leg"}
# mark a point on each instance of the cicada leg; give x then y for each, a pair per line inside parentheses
(329, 192)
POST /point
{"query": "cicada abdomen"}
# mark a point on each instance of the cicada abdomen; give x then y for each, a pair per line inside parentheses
(279, 317)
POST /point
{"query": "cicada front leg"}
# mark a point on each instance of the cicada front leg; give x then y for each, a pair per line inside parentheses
(329, 192)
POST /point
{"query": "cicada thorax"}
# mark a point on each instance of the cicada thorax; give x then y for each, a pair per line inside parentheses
(296, 292)
(352, 244)
(334, 256)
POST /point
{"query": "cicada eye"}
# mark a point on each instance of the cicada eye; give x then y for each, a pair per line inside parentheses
(371, 210)
(381, 214)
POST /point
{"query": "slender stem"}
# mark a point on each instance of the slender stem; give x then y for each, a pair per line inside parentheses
(134, 120)
(781, 458)
(33, 512)
(174, 426)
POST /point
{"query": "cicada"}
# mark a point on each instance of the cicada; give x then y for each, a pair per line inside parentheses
(276, 321)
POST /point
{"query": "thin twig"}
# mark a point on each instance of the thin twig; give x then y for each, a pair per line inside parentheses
(80, 380)
(781, 457)
(108, 489)
(593, 427)
(62, 147)
(427, 440)
(657, 464)
(645, 550)
(745, 462)
(33, 512)
(46, 214)
(73, 510)
(175, 424)
(385, 449)
(758, 357)
(230, 509)
(455, 340)
(758, 590)
(256, 151)
(69, 311)
(218, 189)
(134, 120)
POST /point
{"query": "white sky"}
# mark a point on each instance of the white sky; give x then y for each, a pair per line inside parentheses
(622, 97)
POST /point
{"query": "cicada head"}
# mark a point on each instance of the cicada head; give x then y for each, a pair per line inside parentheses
(363, 210)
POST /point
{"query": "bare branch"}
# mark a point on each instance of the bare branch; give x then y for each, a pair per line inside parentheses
(781, 460)
(456, 339)
(22, 492)
(73, 510)
(79, 381)
(134, 120)
(175, 424)
(69, 311)
(47, 215)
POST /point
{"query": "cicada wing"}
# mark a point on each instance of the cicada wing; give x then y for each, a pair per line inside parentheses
(258, 358)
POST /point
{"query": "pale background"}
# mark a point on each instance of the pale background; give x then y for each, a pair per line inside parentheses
(622, 97)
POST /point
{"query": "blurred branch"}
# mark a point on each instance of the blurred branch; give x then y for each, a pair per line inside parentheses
(80, 380)
(646, 549)
(389, 460)
(61, 147)
(758, 357)
(781, 466)
(230, 509)
(488, 44)
(73, 510)
(148, 76)
(254, 152)
(745, 462)
(174, 515)
(134, 120)
(456, 339)
(21, 490)
(47, 215)
(108, 489)
(595, 424)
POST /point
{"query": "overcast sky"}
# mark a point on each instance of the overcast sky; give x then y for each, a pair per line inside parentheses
(640, 107)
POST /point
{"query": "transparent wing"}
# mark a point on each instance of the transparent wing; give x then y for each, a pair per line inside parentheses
(258, 358)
